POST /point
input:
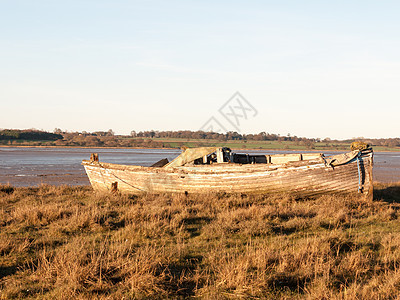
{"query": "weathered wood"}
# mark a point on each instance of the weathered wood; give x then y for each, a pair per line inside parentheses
(94, 157)
(220, 156)
(160, 163)
(189, 155)
(302, 177)
(284, 158)
(114, 187)
(308, 156)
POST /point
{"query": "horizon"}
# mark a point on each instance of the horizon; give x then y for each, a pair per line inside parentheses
(150, 130)
(310, 69)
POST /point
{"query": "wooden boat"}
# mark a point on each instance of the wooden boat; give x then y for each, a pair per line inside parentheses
(212, 169)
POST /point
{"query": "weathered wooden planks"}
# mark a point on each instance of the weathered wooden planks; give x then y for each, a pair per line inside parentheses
(303, 177)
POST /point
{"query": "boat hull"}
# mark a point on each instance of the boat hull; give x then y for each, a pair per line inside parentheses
(304, 178)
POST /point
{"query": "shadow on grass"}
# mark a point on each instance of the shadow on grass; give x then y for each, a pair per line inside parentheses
(282, 230)
(193, 224)
(387, 193)
(6, 271)
(179, 285)
(294, 283)
(7, 189)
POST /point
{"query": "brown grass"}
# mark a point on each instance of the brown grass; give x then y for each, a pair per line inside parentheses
(69, 242)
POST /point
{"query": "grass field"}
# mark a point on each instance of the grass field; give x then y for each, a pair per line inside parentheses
(71, 243)
(191, 143)
(271, 145)
(266, 145)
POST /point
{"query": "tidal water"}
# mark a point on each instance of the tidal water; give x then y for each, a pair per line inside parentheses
(33, 166)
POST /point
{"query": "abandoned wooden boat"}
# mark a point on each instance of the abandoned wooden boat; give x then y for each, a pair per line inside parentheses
(213, 169)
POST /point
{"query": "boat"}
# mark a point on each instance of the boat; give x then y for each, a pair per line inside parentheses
(220, 170)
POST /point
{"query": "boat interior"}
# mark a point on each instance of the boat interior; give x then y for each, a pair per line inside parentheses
(207, 156)
(226, 155)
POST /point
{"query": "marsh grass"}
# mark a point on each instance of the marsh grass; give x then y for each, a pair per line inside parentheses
(70, 242)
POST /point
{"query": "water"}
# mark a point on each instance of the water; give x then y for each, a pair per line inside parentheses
(32, 166)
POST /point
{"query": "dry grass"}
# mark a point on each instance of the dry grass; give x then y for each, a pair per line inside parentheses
(68, 242)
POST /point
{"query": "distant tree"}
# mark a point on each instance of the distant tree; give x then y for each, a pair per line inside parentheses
(92, 141)
(309, 144)
(110, 132)
(29, 135)
(57, 131)
(326, 140)
(100, 133)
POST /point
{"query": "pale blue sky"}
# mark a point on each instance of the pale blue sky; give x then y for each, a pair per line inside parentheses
(310, 68)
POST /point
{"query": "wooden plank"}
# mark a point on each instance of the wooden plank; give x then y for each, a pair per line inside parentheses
(284, 158)
(160, 163)
(220, 155)
(309, 156)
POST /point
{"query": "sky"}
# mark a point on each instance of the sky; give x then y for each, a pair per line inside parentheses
(306, 68)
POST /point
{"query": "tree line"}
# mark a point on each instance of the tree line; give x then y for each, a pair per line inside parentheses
(29, 135)
(159, 139)
(230, 135)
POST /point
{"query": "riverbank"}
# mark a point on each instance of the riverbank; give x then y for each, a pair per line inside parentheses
(376, 149)
(175, 143)
(63, 242)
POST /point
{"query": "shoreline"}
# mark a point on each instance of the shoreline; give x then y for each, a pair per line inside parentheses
(169, 148)
(30, 166)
